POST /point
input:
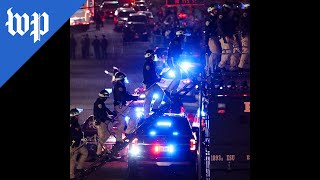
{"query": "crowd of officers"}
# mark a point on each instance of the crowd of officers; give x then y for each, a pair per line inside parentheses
(100, 47)
(104, 117)
(227, 31)
(224, 32)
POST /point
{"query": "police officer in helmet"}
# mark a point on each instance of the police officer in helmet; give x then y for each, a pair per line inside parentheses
(121, 96)
(100, 110)
(211, 36)
(244, 26)
(76, 147)
(150, 79)
(174, 52)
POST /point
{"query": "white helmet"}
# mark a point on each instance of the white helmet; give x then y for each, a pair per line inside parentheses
(75, 112)
(148, 53)
(179, 33)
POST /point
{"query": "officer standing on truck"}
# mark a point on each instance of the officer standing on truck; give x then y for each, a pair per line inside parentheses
(174, 52)
(211, 36)
(150, 79)
(100, 110)
(244, 26)
(225, 33)
(103, 135)
(121, 96)
(76, 135)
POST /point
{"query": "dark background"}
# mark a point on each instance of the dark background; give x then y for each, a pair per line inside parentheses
(35, 113)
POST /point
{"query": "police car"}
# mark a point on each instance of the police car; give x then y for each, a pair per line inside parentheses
(168, 142)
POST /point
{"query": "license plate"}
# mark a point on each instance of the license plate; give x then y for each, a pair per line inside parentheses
(164, 149)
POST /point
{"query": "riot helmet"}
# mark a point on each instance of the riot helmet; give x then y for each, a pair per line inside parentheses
(75, 112)
(149, 54)
(120, 76)
(104, 93)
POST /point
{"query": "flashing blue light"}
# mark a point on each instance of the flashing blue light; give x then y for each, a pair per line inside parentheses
(175, 133)
(171, 149)
(171, 74)
(221, 87)
(139, 114)
(163, 102)
(152, 133)
(135, 150)
(138, 109)
(164, 123)
(127, 119)
(155, 96)
(186, 65)
(142, 96)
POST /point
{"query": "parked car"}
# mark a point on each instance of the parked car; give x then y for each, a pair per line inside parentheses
(109, 8)
(121, 17)
(149, 15)
(136, 29)
(141, 8)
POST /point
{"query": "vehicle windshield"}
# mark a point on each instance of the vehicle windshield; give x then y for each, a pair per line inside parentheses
(110, 6)
(137, 19)
(124, 14)
(142, 8)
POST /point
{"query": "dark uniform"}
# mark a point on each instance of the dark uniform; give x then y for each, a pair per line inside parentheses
(244, 27)
(149, 73)
(73, 45)
(75, 133)
(121, 96)
(150, 79)
(75, 142)
(174, 52)
(211, 35)
(96, 46)
(225, 33)
(104, 47)
(101, 111)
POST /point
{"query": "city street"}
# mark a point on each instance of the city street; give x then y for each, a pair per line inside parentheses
(87, 79)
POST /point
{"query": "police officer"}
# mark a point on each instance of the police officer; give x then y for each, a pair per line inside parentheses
(104, 46)
(225, 34)
(174, 52)
(211, 35)
(150, 79)
(76, 135)
(244, 26)
(96, 46)
(121, 96)
(100, 110)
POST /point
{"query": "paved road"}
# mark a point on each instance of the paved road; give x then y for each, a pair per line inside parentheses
(87, 78)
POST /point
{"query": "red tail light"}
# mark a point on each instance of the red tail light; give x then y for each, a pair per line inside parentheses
(156, 148)
(193, 144)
